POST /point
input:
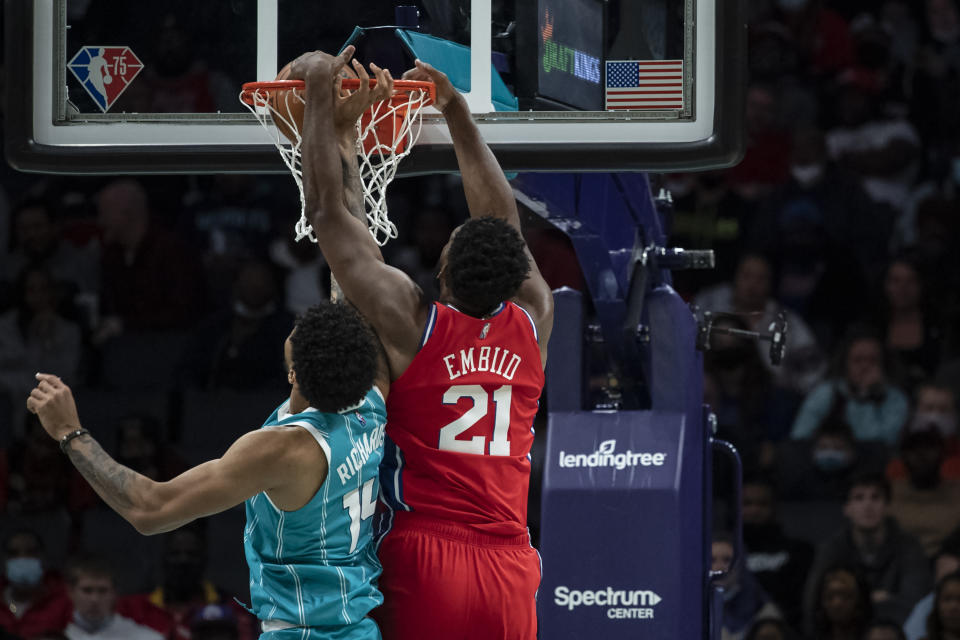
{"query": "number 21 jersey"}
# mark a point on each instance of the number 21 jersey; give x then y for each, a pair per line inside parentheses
(460, 421)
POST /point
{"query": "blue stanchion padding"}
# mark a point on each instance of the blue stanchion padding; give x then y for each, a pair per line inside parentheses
(454, 60)
(623, 527)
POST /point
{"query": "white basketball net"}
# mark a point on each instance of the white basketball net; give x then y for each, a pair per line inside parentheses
(378, 164)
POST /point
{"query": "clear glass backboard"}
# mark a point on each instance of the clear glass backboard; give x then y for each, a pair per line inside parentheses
(585, 85)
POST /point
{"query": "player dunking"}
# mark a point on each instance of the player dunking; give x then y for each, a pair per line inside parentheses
(467, 373)
(308, 477)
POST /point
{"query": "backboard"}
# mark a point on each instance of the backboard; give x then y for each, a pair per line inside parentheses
(95, 86)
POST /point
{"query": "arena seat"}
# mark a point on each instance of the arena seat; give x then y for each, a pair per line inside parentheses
(142, 360)
(211, 421)
(101, 411)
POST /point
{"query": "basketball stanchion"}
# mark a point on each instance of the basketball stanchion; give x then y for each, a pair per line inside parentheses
(386, 133)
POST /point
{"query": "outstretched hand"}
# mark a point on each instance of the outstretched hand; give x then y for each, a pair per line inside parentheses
(350, 105)
(446, 93)
(53, 403)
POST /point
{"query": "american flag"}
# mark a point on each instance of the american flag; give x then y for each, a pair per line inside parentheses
(644, 84)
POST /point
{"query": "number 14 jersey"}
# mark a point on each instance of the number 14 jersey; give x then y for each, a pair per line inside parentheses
(460, 421)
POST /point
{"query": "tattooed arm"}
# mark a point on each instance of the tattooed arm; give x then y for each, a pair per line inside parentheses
(263, 460)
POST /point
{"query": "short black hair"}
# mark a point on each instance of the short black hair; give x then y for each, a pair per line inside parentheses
(23, 531)
(334, 356)
(89, 565)
(859, 332)
(926, 436)
(757, 478)
(486, 264)
(870, 479)
(834, 424)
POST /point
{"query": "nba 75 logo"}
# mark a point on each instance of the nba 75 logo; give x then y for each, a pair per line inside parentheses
(105, 72)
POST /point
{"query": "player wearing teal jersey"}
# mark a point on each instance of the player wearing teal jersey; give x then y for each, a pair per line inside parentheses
(308, 477)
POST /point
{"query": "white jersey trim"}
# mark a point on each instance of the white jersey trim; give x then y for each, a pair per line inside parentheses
(318, 435)
(536, 335)
(431, 324)
(321, 440)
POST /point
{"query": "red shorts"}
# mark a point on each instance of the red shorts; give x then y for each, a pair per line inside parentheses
(445, 581)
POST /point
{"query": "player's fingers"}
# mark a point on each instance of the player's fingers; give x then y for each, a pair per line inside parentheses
(435, 74)
(415, 74)
(347, 71)
(389, 76)
(384, 84)
(340, 61)
(364, 89)
(346, 54)
(46, 386)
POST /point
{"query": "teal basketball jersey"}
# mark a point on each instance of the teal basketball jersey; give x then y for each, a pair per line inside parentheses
(316, 566)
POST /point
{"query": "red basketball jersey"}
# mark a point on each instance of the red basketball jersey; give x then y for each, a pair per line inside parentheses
(460, 421)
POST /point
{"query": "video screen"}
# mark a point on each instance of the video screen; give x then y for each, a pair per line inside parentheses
(571, 52)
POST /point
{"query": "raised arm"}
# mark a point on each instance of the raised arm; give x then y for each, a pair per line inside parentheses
(346, 131)
(265, 460)
(387, 297)
(486, 188)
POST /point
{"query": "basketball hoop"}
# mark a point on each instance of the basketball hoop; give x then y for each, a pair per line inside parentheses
(386, 133)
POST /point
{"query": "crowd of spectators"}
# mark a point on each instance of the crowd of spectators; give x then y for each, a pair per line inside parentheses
(844, 216)
(164, 302)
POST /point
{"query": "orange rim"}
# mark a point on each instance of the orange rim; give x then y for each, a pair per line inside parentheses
(250, 89)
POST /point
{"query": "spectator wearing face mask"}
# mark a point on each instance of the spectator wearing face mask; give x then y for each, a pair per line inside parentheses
(861, 393)
(93, 592)
(892, 561)
(936, 405)
(822, 468)
(925, 504)
(34, 600)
